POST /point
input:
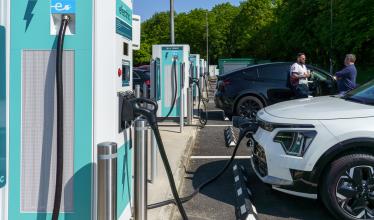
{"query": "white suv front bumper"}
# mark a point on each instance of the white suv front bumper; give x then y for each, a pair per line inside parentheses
(279, 165)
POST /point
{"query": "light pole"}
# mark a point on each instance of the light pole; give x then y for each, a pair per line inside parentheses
(172, 39)
(331, 36)
(207, 40)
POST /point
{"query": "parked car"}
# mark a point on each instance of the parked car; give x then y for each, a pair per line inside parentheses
(245, 91)
(321, 147)
(141, 77)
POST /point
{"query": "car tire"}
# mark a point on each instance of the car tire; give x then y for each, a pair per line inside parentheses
(248, 106)
(347, 187)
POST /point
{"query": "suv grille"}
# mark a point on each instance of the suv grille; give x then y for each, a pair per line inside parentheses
(259, 160)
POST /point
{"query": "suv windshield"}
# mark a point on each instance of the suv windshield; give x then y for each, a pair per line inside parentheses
(363, 94)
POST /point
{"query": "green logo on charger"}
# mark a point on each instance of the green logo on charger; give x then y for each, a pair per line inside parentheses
(124, 12)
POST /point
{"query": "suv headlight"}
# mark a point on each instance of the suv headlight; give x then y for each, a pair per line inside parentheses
(295, 143)
(267, 126)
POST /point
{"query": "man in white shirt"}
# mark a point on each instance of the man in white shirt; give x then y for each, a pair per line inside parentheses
(299, 75)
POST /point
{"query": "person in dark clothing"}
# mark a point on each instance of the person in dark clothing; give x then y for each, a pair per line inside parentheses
(346, 78)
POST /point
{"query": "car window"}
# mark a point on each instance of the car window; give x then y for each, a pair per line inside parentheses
(317, 74)
(250, 73)
(274, 72)
(363, 94)
(135, 75)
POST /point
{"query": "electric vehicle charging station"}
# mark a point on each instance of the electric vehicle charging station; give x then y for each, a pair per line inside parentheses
(96, 66)
(195, 71)
(172, 60)
(202, 76)
(3, 101)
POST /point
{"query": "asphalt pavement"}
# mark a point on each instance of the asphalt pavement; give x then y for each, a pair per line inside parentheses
(218, 200)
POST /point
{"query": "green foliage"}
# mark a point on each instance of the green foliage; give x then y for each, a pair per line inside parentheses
(272, 30)
(254, 15)
(191, 29)
(220, 36)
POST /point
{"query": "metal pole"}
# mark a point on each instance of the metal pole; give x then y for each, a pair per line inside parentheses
(207, 40)
(201, 81)
(107, 181)
(154, 154)
(172, 22)
(181, 98)
(137, 91)
(331, 40)
(189, 106)
(145, 91)
(140, 169)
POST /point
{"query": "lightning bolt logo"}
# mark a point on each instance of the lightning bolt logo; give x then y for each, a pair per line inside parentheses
(28, 13)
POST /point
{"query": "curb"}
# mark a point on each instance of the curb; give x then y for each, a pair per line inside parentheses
(168, 212)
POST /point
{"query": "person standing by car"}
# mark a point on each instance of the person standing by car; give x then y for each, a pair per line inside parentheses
(346, 78)
(299, 75)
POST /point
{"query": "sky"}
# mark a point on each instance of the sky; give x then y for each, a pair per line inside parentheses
(146, 8)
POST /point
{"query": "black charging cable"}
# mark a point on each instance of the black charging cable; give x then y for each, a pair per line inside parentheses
(60, 117)
(245, 131)
(150, 115)
(203, 119)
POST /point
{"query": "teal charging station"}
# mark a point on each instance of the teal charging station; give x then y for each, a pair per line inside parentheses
(97, 65)
(171, 80)
(195, 71)
(3, 114)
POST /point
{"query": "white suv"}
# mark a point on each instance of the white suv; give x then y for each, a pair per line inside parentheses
(321, 147)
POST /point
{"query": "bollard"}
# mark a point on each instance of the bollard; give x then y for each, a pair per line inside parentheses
(145, 91)
(107, 181)
(189, 106)
(154, 154)
(181, 116)
(181, 99)
(202, 85)
(140, 169)
(137, 91)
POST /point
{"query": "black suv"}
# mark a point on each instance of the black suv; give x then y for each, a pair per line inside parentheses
(245, 91)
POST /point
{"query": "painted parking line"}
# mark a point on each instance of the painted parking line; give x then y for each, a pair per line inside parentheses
(220, 157)
(218, 125)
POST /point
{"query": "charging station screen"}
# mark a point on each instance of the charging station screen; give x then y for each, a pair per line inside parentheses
(125, 73)
(2, 109)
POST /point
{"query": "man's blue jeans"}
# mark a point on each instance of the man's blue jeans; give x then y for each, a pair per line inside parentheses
(301, 91)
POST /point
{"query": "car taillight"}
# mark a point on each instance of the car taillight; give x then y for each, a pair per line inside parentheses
(226, 82)
(148, 82)
(221, 84)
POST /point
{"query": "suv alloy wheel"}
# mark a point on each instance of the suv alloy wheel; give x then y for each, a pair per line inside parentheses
(348, 187)
(248, 106)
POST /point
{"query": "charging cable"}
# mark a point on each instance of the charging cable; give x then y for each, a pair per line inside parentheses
(203, 119)
(150, 115)
(60, 117)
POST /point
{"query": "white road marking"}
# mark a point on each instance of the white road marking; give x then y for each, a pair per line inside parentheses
(220, 157)
(218, 125)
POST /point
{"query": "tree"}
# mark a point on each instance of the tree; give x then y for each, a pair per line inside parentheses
(253, 16)
(220, 23)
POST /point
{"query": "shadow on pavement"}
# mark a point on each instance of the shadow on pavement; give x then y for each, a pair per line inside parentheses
(269, 203)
